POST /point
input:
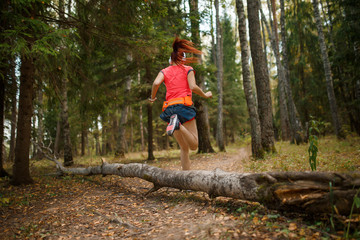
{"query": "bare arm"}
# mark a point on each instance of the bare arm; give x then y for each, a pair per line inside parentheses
(156, 84)
(195, 88)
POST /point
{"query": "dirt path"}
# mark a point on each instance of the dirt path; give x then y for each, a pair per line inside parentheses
(225, 161)
(115, 208)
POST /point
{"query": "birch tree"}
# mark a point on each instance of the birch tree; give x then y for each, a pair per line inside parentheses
(261, 77)
(328, 75)
(14, 111)
(219, 76)
(2, 101)
(284, 119)
(256, 147)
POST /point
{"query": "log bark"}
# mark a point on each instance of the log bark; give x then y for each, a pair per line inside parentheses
(305, 192)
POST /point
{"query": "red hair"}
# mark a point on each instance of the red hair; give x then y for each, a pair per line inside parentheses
(180, 47)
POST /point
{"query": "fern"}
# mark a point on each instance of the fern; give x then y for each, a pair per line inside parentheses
(313, 140)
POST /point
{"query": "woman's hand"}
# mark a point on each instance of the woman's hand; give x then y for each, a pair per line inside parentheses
(152, 99)
(208, 94)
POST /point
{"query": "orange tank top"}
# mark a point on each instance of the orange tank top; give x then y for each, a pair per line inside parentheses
(175, 79)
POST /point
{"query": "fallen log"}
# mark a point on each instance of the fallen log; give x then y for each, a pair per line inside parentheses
(306, 192)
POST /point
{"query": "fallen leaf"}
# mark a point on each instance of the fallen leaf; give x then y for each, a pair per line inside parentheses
(292, 227)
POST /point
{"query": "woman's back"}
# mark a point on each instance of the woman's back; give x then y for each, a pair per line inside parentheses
(175, 79)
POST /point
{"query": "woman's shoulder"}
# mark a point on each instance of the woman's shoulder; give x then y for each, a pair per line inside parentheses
(187, 68)
(176, 68)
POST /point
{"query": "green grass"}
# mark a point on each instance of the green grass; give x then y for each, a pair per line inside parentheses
(334, 155)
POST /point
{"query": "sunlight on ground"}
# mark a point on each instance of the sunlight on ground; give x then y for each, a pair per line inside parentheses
(65, 205)
(333, 155)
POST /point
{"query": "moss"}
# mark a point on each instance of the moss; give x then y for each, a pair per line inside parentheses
(265, 194)
(273, 149)
(148, 178)
(259, 154)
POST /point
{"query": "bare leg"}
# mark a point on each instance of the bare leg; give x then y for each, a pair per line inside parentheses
(184, 150)
(187, 138)
(189, 132)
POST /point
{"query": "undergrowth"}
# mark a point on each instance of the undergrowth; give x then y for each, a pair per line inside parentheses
(333, 155)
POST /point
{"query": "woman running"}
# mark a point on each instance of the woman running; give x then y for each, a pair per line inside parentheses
(178, 109)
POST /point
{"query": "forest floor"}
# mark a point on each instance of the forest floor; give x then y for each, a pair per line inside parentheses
(111, 207)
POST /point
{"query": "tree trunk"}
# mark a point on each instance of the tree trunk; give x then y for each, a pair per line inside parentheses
(131, 129)
(68, 157)
(264, 41)
(33, 135)
(83, 139)
(357, 108)
(348, 95)
(150, 116)
(96, 136)
(305, 192)
(40, 116)
(68, 154)
(281, 71)
(328, 75)
(356, 81)
(3, 173)
(141, 120)
(213, 47)
(295, 123)
(256, 147)
(21, 171)
(112, 131)
(83, 114)
(5, 69)
(261, 78)
(220, 80)
(121, 140)
(202, 121)
(141, 129)
(58, 136)
(150, 133)
(103, 136)
(14, 89)
(284, 119)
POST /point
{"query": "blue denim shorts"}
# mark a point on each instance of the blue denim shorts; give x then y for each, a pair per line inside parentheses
(185, 113)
